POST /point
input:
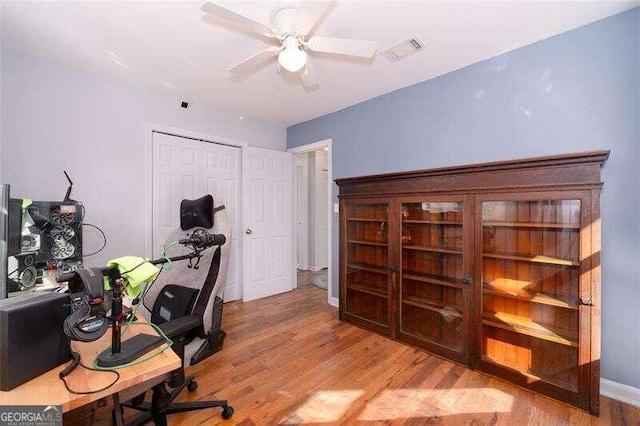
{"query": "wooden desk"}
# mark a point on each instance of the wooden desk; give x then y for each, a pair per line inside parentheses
(48, 389)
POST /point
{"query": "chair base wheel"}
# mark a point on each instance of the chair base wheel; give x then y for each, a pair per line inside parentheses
(227, 412)
(192, 386)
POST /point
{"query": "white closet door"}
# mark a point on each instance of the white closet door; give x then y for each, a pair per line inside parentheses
(267, 186)
(186, 168)
(221, 178)
(175, 171)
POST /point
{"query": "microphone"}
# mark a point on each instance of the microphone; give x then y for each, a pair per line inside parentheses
(203, 239)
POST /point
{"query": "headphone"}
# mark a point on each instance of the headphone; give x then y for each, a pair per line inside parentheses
(87, 321)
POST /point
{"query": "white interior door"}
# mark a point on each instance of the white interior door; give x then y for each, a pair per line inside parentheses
(267, 257)
(185, 168)
(322, 215)
(302, 210)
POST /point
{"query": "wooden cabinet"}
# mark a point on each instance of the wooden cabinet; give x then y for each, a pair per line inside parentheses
(495, 266)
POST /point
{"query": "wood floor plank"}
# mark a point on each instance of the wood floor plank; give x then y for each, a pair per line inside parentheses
(288, 360)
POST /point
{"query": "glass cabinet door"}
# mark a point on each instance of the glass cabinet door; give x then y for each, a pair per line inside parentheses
(530, 289)
(367, 262)
(432, 293)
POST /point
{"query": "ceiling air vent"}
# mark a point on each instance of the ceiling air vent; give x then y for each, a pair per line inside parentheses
(403, 49)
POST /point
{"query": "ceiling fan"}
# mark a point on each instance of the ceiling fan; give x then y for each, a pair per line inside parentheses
(290, 30)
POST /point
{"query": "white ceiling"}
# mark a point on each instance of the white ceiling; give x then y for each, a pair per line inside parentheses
(174, 47)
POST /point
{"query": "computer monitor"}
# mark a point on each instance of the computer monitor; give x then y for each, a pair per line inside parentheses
(10, 233)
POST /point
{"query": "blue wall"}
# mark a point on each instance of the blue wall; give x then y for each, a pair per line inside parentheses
(577, 91)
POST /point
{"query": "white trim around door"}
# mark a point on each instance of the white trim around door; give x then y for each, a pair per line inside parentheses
(324, 144)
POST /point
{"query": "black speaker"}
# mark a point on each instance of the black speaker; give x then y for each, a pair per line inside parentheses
(31, 336)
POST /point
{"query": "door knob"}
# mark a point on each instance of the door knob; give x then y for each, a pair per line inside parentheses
(248, 231)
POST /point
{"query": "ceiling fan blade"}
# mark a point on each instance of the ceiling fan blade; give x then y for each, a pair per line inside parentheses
(238, 19)
(309, 13)
(309, 77)
(254, 61)
(343, 46)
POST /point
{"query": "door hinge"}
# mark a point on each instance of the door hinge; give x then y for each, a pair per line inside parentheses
(586, 300)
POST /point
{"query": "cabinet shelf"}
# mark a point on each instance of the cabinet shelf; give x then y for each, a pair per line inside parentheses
(532, 225)
(532, 258)
(432, 279)
(432, 305)
(528, 327)
(368, 268)
(357, 219)
(369, 243)
(432, 222)
(530, 374)
(529, 296)
(433, 249)
(365, 288)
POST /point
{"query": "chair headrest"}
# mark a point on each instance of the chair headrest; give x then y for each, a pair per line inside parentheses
(197, 213)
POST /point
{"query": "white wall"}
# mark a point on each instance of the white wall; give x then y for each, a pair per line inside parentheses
(55, 118)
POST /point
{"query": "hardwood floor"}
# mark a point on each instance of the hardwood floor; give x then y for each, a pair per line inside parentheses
(288, 360)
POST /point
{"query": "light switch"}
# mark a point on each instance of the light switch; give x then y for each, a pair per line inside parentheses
(336, 207)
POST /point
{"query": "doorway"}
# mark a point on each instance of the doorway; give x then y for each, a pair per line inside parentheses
(312, 195)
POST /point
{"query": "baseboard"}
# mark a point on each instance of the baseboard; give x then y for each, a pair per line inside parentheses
(333, 301)
(620, 392)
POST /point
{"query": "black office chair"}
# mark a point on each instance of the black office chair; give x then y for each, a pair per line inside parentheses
(186, 303)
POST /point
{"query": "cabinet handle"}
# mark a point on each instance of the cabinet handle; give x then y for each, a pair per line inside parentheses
(466, 281)
(586, 300)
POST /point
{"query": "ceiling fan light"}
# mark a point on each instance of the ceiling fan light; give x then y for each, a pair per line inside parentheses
(292, 58)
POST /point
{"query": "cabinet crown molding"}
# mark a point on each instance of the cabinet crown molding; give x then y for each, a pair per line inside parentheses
(581, 168)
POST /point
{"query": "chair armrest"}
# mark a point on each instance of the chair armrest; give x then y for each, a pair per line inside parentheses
(180, 326)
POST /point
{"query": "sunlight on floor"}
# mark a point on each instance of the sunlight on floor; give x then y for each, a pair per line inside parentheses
(408, 403)
(329, 406)
(323, 406)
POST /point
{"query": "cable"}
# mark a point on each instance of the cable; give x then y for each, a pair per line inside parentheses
(74, 363)
(168, 265)
(104, 242)
(148, 287)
